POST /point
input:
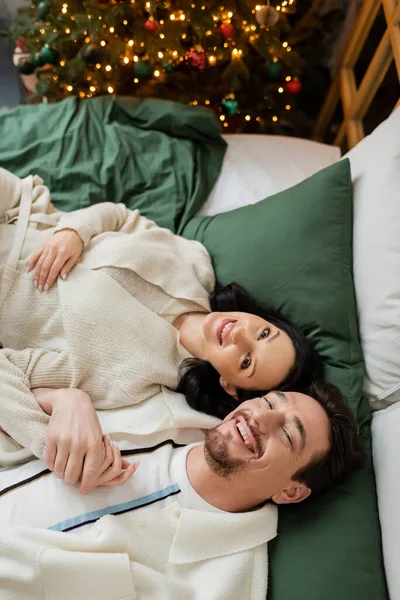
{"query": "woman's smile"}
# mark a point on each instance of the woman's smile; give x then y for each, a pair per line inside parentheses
(224, 328)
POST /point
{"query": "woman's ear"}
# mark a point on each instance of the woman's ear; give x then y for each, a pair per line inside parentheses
(293, 494)
(229, 389)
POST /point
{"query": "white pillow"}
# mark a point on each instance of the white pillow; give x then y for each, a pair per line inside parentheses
(375, 166)
(257, 166)
(386, 452)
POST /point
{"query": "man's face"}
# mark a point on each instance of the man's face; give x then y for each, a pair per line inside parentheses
(267, 440)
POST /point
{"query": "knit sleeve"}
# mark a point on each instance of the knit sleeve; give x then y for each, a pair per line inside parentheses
(20, 414)
(103, 217)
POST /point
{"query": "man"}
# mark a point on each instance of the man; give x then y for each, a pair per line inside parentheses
(193, 522)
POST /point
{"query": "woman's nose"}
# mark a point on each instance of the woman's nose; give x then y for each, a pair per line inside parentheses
(239, 334)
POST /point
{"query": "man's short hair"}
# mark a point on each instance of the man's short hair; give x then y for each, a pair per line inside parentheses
(345, 453)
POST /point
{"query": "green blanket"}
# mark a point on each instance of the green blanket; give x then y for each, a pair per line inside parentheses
(160, 157)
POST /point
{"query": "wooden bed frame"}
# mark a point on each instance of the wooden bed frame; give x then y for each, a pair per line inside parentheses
(356, 101)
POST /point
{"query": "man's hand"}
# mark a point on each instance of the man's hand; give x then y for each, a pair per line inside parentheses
(74, 447)
(115, 469)
(56, 258)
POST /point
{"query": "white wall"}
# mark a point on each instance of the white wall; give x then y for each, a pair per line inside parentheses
(8, 9)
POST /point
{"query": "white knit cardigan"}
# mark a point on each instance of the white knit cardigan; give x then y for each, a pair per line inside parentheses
(88, 331)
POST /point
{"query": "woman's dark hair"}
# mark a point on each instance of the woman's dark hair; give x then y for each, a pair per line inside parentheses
(199, 381)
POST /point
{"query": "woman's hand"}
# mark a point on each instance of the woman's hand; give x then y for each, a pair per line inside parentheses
(115, 469)
(56, 258)
(74, 447)
(75, 444)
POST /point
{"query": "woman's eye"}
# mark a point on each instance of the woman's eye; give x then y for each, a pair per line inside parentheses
(265, 333)
(246, 362)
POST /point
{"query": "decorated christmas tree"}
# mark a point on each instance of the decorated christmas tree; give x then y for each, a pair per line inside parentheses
(233, 56)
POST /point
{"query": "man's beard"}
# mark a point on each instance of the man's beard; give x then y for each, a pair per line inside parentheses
(216, 453)
(216, 450)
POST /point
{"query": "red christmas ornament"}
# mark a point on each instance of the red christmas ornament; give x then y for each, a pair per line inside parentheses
(293, 87)
(227, 30)
(151, 25)
(198, 59)
(20, 44)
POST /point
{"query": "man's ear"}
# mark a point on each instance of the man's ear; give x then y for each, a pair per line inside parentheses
(228, 388)
(297, 492)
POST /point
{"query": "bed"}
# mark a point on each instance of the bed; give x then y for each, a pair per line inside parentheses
(247, 176)
(319, 246)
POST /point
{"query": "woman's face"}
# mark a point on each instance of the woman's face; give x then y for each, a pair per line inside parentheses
(247, 351)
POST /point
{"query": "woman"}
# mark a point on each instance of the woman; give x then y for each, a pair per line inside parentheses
(133, 312)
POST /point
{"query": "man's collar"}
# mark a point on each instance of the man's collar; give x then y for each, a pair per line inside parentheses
(202, 535)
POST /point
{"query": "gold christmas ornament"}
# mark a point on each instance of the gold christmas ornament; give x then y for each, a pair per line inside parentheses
(267, 16)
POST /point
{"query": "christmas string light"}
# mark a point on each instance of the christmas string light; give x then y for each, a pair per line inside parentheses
(164, 59)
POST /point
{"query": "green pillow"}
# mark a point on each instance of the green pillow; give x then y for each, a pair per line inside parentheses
(293, 251)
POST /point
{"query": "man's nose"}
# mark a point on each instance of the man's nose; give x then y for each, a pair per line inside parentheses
(269, 420)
